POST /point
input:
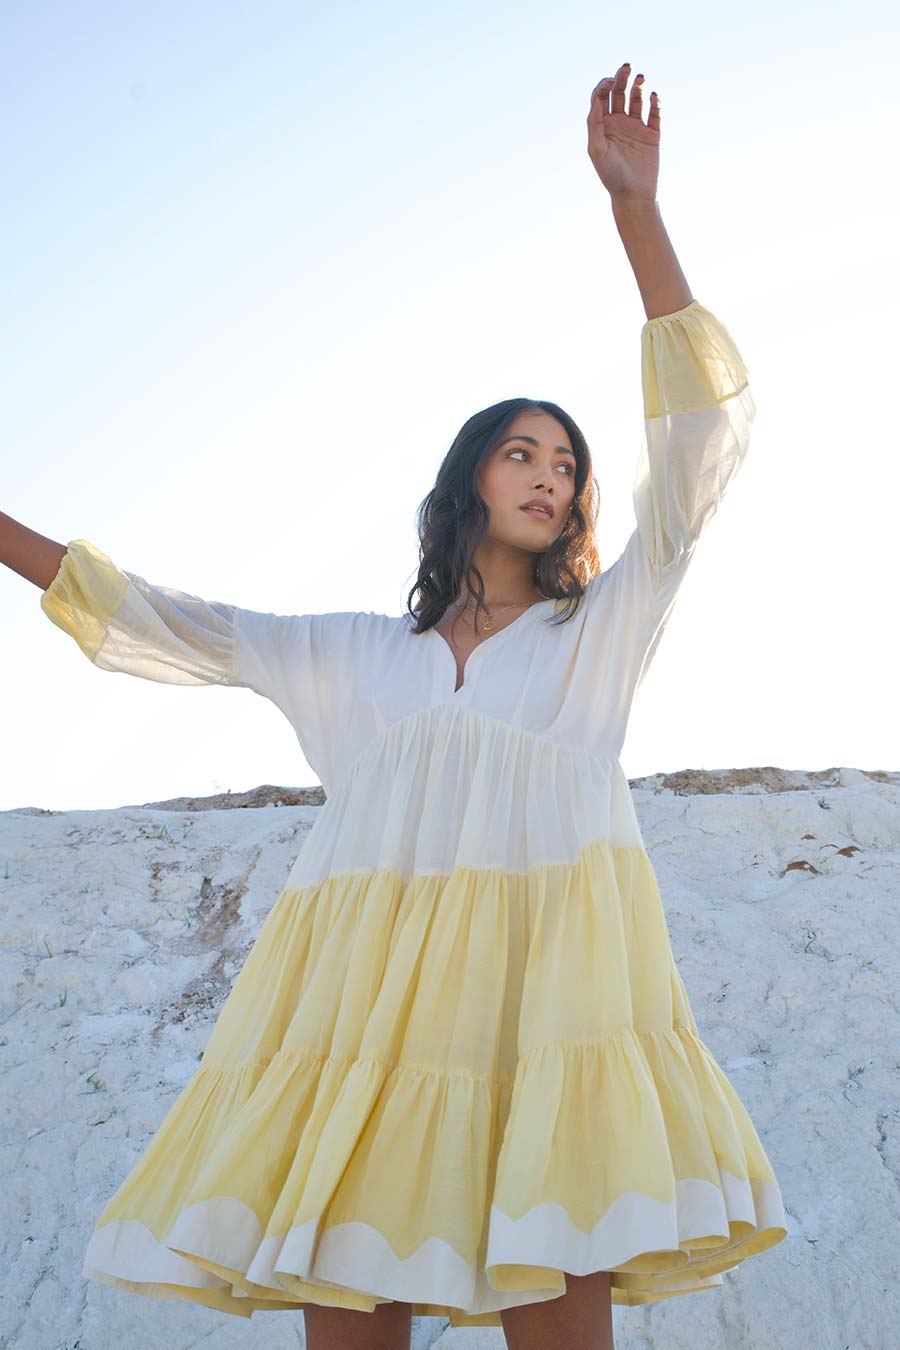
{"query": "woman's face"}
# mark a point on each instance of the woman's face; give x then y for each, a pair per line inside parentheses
(534, 460)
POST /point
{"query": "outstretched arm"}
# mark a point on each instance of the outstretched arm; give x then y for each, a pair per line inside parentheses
(697, 407)
(697, 402)
(625, 152)
(32, 555)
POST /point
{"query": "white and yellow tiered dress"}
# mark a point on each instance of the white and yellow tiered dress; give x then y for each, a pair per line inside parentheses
(459, 1060)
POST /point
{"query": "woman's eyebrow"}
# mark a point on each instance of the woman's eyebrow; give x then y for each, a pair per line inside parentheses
(563, 449)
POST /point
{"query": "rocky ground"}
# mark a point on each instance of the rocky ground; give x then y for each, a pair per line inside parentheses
(123, 929)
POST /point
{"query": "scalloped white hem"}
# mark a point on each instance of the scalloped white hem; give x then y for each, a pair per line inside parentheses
(356, 1256)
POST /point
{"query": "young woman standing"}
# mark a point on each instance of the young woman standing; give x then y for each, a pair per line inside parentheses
(458, 1073)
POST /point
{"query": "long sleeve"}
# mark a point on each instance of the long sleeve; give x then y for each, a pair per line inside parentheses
(698, 408)
(123, 623)
(697, 413)
(308, 665)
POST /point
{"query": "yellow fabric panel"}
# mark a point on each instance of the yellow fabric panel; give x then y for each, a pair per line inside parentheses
(84, 595)
(406, 1061)
(123, 623)
(689, 361)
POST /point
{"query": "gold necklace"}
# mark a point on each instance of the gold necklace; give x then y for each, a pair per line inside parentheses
(488, 623)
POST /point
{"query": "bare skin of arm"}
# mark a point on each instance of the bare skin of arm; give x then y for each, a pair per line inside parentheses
(32, 555)
(624, 150)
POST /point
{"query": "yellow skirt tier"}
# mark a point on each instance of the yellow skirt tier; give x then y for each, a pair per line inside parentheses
(450, 1090)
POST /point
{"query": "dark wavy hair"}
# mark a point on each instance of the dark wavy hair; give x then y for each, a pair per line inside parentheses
(454, 517)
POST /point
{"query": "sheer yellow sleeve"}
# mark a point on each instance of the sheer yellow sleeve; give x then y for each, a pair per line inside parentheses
(123, 623)
(697, 413)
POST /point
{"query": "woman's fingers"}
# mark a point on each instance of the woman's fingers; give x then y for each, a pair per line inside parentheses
(612, 88)
(600, 95)
(618, 89)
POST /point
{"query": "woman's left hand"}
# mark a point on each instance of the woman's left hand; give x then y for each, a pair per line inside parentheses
(623, 150)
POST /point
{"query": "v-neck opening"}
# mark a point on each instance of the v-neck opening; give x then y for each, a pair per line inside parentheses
(486, 642)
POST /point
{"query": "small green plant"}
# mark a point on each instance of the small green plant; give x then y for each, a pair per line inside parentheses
(61, 998)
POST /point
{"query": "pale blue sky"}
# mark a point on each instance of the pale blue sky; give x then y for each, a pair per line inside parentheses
(261, 262)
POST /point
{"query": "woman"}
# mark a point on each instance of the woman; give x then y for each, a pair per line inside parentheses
(458, 1073)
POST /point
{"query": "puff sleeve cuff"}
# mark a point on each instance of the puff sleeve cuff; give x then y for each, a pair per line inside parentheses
(123, 623)
(697, 413)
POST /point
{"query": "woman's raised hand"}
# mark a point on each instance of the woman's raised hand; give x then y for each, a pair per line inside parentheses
(623, 148)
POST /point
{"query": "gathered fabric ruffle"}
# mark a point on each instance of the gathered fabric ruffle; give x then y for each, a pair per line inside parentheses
(505, 802)
(689, 361)
(449, 1090)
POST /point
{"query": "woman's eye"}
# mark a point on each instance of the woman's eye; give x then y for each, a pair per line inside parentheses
(566, 464)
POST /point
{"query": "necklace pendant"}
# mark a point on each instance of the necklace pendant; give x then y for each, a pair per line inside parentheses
(488, 625)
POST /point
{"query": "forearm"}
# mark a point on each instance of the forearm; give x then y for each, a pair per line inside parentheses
(30, 554)
(657, 271)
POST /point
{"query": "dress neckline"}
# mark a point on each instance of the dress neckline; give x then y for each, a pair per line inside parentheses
(485, 642)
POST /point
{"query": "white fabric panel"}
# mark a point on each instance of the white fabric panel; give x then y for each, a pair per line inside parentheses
(686, 462)
(131, 1252)
(451, 788)
(308, 665)
(227, 1231)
